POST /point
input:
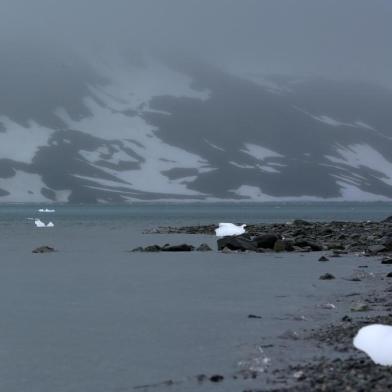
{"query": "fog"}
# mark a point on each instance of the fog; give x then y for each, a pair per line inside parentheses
(335, 38)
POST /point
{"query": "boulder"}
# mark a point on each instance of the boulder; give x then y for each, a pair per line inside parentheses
(283, 245)
(327, 276)
(177, 248)
(323, 258)
(204, 248)
(335, 245)
(303, 243)
(387, 242)
(301, 222)
(266, 241)
(44, 249)
(237, 243)
(374, 249)
(386, 260)
(152, 248)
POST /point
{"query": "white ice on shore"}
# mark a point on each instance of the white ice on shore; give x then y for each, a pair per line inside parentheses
(46, 210)
(226, 229)
(376, 341)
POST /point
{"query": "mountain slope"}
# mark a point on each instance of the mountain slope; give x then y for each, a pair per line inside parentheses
(149, 130)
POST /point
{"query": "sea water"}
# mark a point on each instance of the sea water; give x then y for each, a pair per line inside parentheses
(95, 317)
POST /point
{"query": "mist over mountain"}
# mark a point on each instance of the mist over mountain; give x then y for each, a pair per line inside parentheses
(174, 102)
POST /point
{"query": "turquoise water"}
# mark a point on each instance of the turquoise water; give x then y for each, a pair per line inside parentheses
(176, 214)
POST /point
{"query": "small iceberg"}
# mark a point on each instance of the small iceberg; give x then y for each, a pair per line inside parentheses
(39, 223)
(46, 210)
(376, 341)
(227, 229)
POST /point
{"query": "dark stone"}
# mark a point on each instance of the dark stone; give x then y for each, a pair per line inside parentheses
(303, 243)
(138, 249)
(201, 377)
(374, 249)
(387, 242)
(266, 241)
(283, 245)
(216, 378)
(44, 249)
(227, 250)
(254, 316)
(152, 248)
(323, 258)
(236, 243)
(335, 246)
(388, 220)
(347, 319)
(301, 222)
(177, 248)
(327, 276)
(386, 260)
(389, 275)
(204, 248)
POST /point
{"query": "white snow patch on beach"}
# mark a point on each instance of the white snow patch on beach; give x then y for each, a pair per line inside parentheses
(20, 143)
(376, 341)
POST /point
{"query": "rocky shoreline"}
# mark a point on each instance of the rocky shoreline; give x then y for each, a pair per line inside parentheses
(368, 238)
(347, 369)
(344, 368)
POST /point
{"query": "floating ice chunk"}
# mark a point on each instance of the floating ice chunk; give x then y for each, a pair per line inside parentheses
(376, 341)
(46, 210)
(39, 223)
(226, 229)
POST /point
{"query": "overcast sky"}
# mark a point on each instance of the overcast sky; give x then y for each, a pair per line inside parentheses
(334, 38)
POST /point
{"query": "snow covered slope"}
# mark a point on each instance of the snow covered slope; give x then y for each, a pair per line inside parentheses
(178, 130)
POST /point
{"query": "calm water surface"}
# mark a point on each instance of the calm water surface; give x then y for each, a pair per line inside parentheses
(96, 318)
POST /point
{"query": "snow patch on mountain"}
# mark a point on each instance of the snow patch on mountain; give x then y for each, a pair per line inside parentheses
(350, 192)
(259, 152)
(254, 193)
(116, 116)
(21, 143)
(363, 155)
(23, 187)
(214, 145)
